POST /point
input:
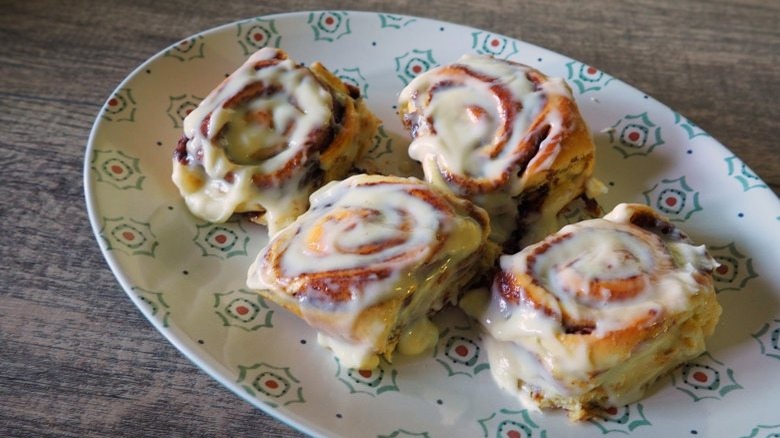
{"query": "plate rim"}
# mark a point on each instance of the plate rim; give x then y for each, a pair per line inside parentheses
(173, 334)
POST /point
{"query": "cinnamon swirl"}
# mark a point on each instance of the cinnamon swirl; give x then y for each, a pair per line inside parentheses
(503, 135)
(370, 260)
(591, 316)
(267, 137)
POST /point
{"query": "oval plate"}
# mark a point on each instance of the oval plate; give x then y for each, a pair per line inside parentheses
(187, 276)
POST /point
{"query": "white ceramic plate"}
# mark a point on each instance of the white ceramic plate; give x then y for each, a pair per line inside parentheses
(187, 276)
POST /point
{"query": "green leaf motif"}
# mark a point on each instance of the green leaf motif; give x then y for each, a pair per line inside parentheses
(128, 236)
(744, 175)
(187, 50)
(758, 431)
(120, 107)
(586, 78)
(635, 135)
(411, 64)
(674, 198)
(221, 240)
(156, 304)
(329, 26)
(117, 169)
(353, 77)
(459, 354)
(276, 386)
(252, 35)
(372, 382)
(400, 433)
(735, 269)
(689, 127)
(705, 378)
(769, 339)
(486, 43)
(242, 309)
(623, 420)
(394, 21)
(179, 107)
(505, 422)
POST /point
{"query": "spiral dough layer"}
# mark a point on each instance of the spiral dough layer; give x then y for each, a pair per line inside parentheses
(371, 259)
(494, 130)
(267, 137)
(592, 315)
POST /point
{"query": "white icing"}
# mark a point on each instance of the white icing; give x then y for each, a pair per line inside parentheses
(261, 136)
(528, 344)
(368, 224)
(466, 119)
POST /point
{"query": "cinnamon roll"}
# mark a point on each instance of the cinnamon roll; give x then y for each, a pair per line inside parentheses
(503, 135)
(591, 316)
(267, 137)
(370, 260)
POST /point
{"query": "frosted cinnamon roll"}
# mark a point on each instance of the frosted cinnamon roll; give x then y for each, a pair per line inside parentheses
(267, 137)
(503, 135)
(591, 316)
(370, 260)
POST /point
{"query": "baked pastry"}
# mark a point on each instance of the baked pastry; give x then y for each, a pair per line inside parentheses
(267, 137)
(591, 316)
(503, 135)
(370, 260)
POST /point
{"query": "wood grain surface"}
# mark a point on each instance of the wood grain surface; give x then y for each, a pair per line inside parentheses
(78, 359)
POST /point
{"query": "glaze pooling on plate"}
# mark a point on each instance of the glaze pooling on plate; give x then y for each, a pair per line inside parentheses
(187, 276)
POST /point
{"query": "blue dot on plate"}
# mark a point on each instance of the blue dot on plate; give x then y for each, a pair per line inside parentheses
(740, 214)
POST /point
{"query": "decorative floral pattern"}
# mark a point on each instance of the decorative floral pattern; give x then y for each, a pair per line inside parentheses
(373, 382)
(740, 172)
(674, 198)
(635, 135)
(222, 240)
(179, 107)
(147, 235)
(486, 43)
(382, 145)
(129, 236)
(689, 127)
(187, 50)
(769, 338)
(411, 64)
(624, 419)
(506, 423)
(255, 34)
(459, 352)
(394, 21)
(118, 169)
(120, 107)
(586, 78)
(705, 377)
(352, 76)
(764, 431)
(329, 26)
(155, 304)
(244, 309)
(400, 433)
(276, 386)
(735, 269)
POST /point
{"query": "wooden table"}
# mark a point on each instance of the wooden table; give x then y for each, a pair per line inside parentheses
(78, 359)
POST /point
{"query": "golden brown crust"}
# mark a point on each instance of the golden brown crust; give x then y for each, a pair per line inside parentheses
(221, 172)
(400, 266)
(628, 326)
(542, 169)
